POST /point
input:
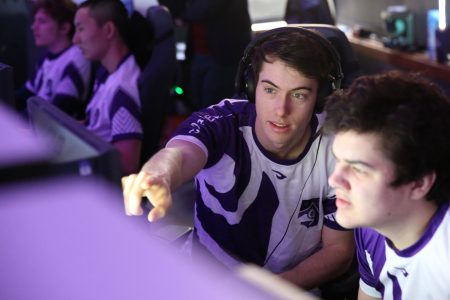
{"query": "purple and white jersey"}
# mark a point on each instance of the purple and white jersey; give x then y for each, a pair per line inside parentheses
(261, 209)
(64, 74)
(421, 271)
(114, 112)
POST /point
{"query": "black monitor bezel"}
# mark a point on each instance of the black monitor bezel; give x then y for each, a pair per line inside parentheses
(104, 163)
(7, 84)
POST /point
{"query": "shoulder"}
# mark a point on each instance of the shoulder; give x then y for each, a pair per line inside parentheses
(368, 238)
(126, 73)
(218, 124)
(75, 51)
(239, 112)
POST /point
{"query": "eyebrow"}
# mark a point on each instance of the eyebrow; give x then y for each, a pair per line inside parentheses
(355, 162)
(294, 89)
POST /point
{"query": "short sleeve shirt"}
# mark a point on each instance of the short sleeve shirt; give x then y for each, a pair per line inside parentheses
(250, 206)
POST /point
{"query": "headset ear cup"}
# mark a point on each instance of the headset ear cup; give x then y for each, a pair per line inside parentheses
(250, 87)
(325, 90)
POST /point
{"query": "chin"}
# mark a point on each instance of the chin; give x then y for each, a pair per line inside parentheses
(344, 220)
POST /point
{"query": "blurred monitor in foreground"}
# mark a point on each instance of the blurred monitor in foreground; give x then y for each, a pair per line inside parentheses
(74, 241)
(76, 149)
(22, 153)
(6, 84)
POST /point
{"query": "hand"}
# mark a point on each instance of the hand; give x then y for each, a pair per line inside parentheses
(153, 186)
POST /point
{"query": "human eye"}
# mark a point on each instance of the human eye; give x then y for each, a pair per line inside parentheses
(358, 170)
(299, 95)
(269, 90)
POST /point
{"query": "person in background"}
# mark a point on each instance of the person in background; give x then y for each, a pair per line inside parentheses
(62, 75)
(114, 111)
(218, 31)
(392, 140)
(260, 169)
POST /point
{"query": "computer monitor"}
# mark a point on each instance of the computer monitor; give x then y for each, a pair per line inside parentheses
(6, 84)
(69, 238)
(76, 149)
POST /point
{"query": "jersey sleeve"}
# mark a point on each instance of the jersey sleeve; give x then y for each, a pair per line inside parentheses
(125, 115)
(365, 265)
(210, 129)
(32, 83)
(369, 290)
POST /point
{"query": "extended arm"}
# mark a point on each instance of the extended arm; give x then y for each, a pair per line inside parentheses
(326, 264)
(172, 166)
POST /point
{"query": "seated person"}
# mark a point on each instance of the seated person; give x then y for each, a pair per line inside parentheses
(62, 76)
(261, 169)
(392, 145)
(114, 111)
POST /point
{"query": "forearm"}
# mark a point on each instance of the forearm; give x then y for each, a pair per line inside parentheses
(321, 267)
(179, 161)
(167, 161)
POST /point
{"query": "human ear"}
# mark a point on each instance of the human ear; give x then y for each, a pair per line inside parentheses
(110, 29)
(423, 185)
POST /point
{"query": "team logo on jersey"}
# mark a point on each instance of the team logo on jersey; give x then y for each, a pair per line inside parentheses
(403, 270)
(309, 212)
(279, 175)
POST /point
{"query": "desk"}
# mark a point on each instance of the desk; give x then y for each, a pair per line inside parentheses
(371, 49)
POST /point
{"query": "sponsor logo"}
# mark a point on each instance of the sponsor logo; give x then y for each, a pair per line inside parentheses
(279, 175)
(309, 212)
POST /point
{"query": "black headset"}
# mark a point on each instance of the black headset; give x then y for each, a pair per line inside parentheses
(245, 85)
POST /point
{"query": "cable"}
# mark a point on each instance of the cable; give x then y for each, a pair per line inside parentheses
(298, 203)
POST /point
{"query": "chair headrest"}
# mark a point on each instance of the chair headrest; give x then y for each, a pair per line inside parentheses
(161, 19)
(348, 60)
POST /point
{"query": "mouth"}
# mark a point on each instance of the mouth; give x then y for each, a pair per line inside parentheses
(341, 202)
(278, 126)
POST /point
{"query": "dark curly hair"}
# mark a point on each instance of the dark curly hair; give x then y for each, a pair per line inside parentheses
(296, 49)
(410, 114)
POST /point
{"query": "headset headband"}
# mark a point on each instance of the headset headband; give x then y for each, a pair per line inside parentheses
(310, 30)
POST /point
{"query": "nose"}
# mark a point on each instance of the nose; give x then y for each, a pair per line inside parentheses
(338, 179)
(282, 105)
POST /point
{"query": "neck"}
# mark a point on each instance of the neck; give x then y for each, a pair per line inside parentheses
(295, 150)
(59, 46)
(409, 229)
(114, 56)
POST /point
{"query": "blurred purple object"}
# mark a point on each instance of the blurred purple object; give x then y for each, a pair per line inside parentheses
(19, 145)
(70, 239)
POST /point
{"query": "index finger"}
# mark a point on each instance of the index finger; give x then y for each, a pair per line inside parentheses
(133, 193)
